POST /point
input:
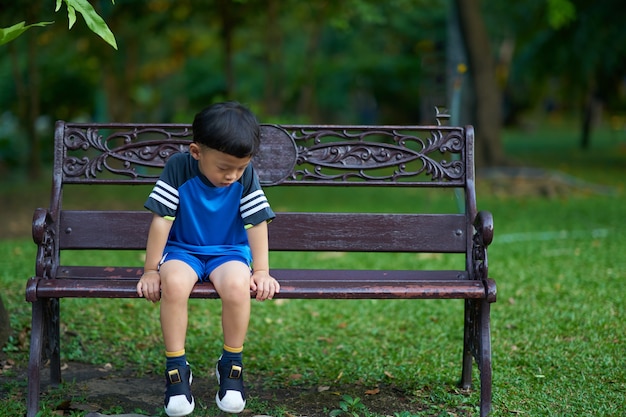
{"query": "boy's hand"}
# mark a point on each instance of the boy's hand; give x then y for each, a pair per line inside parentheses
(264, 285)
(149, 286)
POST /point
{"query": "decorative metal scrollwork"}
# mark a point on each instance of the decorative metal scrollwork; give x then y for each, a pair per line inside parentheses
(320, 153)
(479, 257)
(46, 253)
(475, 332)
(122, 152)
(44, 235)
(340, 155)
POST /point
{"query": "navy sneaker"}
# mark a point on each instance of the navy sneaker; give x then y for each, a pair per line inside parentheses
(178, 399)
(231, 397)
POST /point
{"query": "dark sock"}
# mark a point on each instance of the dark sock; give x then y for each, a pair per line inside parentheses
(231, 354)
(175, 359)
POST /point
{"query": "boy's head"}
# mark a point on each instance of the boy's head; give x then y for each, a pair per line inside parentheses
(227, 127)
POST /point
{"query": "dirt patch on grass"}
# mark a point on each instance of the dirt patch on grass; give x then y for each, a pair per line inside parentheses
(93, 389)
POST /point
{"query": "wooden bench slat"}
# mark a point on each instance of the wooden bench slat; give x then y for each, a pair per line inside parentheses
(360, 232)
(355, 232)
(294, 284)
(104, 229)
(116, 282)
(320, 275)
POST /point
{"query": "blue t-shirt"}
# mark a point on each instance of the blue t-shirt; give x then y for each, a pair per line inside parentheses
(208, 220)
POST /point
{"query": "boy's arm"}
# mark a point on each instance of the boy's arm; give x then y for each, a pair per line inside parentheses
(149, 286)
(261, 281)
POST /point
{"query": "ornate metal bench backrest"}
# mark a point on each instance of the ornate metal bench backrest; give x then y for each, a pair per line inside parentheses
(289, 154)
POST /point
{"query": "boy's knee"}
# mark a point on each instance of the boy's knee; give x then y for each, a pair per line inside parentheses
(232, 281)
(174, 289)
(235, 289)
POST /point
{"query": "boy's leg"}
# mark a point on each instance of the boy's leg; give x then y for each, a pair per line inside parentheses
(232, 283)
(177, 281)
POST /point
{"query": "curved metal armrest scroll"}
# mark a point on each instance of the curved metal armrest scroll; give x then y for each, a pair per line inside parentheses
(483, 225)
(44, 237)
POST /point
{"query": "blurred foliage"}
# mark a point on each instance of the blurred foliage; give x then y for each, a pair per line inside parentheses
(354, 61)
(561, 52)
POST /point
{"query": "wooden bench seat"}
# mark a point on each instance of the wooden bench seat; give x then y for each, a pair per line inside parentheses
(120, 282)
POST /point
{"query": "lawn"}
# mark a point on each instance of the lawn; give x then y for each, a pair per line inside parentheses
(558, 333)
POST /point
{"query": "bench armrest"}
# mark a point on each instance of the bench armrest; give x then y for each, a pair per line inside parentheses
(483, 236)
(483, 223)
(44, 237)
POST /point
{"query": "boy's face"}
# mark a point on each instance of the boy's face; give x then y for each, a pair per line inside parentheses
(220, 168)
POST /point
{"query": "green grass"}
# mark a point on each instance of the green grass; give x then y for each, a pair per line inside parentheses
(558, 333)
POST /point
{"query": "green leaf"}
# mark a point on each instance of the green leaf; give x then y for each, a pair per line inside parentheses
(12, 32)
(561, 13)
(71, 15)
(93, 19)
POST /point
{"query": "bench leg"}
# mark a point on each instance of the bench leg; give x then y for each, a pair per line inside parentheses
(44, 327)
(466, 374)
(485, 358)
(53, 349)
(477, 344)
(34, 361)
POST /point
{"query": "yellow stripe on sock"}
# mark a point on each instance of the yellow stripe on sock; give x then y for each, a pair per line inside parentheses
(175, 354)
(232, 349)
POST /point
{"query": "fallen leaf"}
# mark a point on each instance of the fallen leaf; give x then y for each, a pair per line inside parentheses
(106, 368)
(372, 391)
(322, 388)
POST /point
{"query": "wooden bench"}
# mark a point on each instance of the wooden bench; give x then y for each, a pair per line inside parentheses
(360, 156)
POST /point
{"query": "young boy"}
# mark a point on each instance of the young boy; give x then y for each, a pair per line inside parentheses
(209, 223)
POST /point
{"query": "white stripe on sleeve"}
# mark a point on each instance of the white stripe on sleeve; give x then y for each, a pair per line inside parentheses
(251, 196)
(163, 201)
(255, 209)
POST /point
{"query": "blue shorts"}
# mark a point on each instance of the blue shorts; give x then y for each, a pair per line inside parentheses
(203, 265)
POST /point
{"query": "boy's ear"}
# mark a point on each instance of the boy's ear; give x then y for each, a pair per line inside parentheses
(194, 150)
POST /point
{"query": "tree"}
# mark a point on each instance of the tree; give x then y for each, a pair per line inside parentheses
(31, 106)
(355, 61)
(5, 325)
(28, 84)
(487, 96)
(569, 54)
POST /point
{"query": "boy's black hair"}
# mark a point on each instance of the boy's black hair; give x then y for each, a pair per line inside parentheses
(227, 127)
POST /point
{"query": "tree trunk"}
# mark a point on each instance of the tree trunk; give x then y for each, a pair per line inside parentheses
(589, 114)
(487, 108)
(27, 86)
(34, 160)
(307, 102)
(273, 98)
(5, 324)
(228, 28)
